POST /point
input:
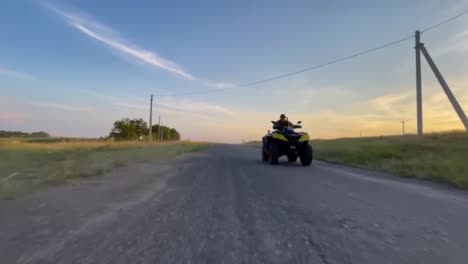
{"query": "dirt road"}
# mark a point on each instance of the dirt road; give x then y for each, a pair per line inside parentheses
(225, 206)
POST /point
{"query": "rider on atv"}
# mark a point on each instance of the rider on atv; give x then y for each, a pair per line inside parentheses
(282, 123)
(285, 141)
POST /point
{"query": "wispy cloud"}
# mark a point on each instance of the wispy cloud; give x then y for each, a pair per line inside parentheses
(100, 95)
(391, 104)
(112, 39)
(131, 102)
(197, 107)
(11, 117)
(63, 107)
(457, 43)
(218, 85)
(8, 114)
(131, 105)
(183, 106)
(461, 41)
(17, 74)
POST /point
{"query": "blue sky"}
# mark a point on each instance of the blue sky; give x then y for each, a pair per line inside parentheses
(73, 67)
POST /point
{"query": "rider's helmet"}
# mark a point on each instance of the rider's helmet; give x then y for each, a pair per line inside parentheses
(282, 116)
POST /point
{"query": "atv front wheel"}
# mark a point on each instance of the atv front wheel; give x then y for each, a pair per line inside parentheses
(264, 155)
(306, 156)
(273, 154)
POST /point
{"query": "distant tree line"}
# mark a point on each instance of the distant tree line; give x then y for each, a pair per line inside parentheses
(166, 132)
(19, 134)
(131, 129)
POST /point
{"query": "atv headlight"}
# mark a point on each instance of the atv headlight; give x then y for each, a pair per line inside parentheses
(304, 138)
(279, 136)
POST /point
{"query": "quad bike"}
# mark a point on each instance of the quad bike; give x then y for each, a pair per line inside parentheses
(287, 142)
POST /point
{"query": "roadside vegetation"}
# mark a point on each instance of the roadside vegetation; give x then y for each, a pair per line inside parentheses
(27, 164)
(20, 134)
(441, 157)
(132, 129)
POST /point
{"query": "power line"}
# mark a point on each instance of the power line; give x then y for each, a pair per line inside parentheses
(445, 21)
(314, 67)
(295, 72)
(176, 109)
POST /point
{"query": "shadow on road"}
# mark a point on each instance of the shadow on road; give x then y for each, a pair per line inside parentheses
(282, 164)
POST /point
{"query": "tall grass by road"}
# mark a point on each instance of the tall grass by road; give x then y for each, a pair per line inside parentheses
(439, 157)
(27, 165)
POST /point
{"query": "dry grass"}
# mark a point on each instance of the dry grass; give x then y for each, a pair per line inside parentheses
(38, 164)
(439, 157)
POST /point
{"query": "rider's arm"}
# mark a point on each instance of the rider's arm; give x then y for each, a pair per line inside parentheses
(277, 125)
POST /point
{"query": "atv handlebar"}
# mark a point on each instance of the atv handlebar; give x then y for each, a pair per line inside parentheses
(293, 126)
(298, 125)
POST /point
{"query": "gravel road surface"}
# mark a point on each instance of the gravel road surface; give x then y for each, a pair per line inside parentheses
(224, 205)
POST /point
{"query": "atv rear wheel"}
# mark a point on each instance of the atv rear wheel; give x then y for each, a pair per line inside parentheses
(264, 155)
(306, 156)
(292, 157)
(273, 154)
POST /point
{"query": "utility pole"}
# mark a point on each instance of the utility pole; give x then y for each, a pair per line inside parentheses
(162, 133)
(159, 128)
(403, 126)
(150, 136)
(419, 84)
(445, 87)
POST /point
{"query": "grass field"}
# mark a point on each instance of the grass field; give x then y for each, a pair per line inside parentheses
(439, 157)
(28, 164)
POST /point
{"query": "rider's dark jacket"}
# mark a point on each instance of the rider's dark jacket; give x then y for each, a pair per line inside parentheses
(281, 124)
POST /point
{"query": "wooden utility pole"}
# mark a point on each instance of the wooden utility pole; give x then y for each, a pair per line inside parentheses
(458, 109)
(150, 135)
(403, 126)
(159, 128)
(162, 133)
(419, 85)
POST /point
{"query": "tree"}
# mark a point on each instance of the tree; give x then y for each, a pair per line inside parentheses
(129, 129)
(40, 134)
(141, 127)
(167, 133)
